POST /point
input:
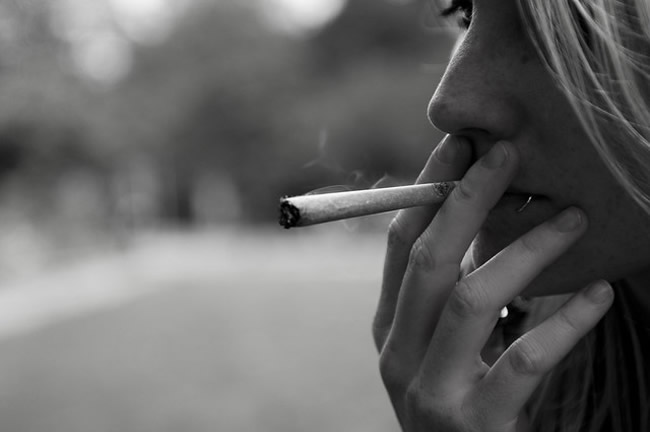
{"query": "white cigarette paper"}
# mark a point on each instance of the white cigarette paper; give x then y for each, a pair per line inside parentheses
(308, 210)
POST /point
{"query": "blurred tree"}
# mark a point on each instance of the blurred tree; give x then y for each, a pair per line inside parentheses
(209, 99)
(27, 24)
(224, 104)
(396, 31)
(382, 61)
(47, 118)
(228, 94)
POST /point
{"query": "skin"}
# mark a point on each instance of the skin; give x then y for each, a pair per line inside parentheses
(450, 269)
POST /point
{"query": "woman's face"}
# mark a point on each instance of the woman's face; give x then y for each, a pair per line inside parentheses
(496, 88)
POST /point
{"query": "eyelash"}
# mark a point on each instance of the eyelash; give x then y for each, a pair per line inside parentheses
(462, 9)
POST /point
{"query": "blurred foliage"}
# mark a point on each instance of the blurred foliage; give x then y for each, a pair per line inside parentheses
(216, 121)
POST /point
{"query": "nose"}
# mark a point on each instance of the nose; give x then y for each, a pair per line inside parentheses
(478, 95)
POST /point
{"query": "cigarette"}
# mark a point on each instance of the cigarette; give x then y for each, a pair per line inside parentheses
(306, 210)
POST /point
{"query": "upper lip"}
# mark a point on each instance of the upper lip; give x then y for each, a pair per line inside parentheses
(513, 189)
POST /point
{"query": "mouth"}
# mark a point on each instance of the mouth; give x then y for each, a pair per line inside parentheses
(518, 201)
(514, 214)
(517, 212)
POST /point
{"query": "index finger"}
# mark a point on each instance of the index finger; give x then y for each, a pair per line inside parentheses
(449, 161)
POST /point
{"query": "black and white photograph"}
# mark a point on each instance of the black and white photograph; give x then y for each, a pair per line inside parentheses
(324, 215)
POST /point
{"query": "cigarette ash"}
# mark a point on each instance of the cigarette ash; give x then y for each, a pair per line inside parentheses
(289, 214)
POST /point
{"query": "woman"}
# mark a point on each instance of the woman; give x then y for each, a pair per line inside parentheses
(545, 104)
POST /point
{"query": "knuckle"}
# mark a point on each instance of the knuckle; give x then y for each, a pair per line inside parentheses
(398, 237)
(379, 332)
(422, 257)
(422, 404)
(413, 394)
(415, 398)
(468, 299)
(391, 372)
(465, 191)
(526, 357)
(437, 411)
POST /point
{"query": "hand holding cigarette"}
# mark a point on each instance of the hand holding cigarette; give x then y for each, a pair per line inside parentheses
(308, 210)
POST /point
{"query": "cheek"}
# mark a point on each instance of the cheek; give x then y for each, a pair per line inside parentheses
(614, 247)
(579, 266)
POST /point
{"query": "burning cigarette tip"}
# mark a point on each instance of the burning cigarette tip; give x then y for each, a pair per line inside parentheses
(289, 214)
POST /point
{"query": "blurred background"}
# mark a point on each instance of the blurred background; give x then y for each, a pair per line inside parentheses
(146, 283)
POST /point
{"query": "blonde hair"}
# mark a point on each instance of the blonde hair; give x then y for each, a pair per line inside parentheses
(598, 52)
(593, 389)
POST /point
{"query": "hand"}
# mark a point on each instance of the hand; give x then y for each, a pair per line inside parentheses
(432, 321)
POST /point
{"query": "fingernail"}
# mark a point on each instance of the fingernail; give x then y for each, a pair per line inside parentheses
(446, 152)
(600, 292)
(496, 156)
(568, 220)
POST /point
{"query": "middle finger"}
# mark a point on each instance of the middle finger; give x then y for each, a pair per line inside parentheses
(435, 259)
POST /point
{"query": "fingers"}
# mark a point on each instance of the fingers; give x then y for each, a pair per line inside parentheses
(462, 215)
(514, 377)
(448, 162)
(473, 306)
(436, 256)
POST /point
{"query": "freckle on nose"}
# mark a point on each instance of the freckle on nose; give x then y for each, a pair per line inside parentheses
(525, 58)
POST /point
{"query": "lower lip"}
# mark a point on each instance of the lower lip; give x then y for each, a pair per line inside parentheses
(512, 217)
(508, 220)
(516, 202)
(515, 209)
